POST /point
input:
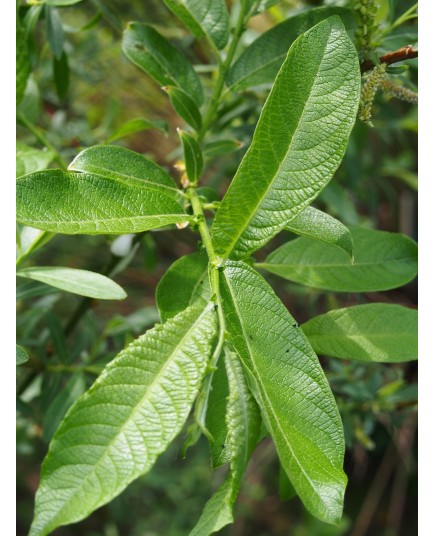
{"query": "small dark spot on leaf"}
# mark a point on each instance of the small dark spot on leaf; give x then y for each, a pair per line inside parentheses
(251, 337)
(223, 446)
(287, 351)
(139, 46)
(295, 325)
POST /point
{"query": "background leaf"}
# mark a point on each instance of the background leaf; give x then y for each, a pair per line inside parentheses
(22, 355)
(54, 31)
(203, 17)
(381, 261)
(298, 143)
(290, 387)
(61, 75)
(261, 61)
(381, 332)
(22, 61)
(104, 443)
(74, 203)
(184, 283)
(137, 125)
(316, 224)
(150, 51)
(29, 159)
(192, 156)
(80, 282)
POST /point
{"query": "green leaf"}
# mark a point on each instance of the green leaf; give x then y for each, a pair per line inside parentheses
(290, 387)
(373, 332)
(61, 75)
(115, 432)
(243, 423)
(80, 282)
(150, 51)
(382, 261)
(184, 106)
(32, 290)
(298, 143)
(119, 163)
(286, 489)
(316, 224)
(185, 283)
(29, 240)
(261, 61)
(29, 159)
(74, 203)
(219, 147)
(54, 31)
(137, 125)
(22, 61)
(192, 156)
(61, 3)
(216, 417)
(203, 17)
(22, 355)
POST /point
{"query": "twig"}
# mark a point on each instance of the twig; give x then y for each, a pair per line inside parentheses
(404, 53)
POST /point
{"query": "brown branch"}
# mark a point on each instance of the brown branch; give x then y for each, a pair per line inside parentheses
(404, 53)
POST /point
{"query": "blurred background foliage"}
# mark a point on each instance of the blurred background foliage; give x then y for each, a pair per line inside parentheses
(82, 91)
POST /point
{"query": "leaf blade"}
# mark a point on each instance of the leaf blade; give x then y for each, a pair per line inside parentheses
(81, 282)
(113, 444)
(74, 203)
(297, 145)
(382, 261)
(380, 332)
(290, 387)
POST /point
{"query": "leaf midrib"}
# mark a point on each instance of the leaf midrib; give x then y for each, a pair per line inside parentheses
(271, 182)
(135, 410)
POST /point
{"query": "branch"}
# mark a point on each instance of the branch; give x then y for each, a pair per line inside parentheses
(404, 53)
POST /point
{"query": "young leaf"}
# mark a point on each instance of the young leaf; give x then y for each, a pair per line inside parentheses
(54, 31)
(138, 125)
(146, 48)
(122, 164)
(316, 224)
(261, 61)
(372, 332)
(219, 147)
(115, 432)
(290, 387)
(381, 261)
(22, 61)
(29, 159)
(22, 355)
(243, 423)
(184, 106)
(74, 203)
(81, 282)
(192, 155)
(185, 283)
(61, 75)
(298, 143)
(203, 17)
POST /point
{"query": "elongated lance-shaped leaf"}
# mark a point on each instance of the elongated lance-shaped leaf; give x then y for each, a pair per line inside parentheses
(22, 60)
(185, 282)
(290, 387)
(203, 17)
(122, 164)
(316, 224)
(115, 431)
(261, 61)
(22, 355)
(74, 203)
(382, 332)
(80, 282)
(298, 143)
(138, 125)
(184, 106)
(150, 51)
(381, 261)
(192, 156)
(243, 422)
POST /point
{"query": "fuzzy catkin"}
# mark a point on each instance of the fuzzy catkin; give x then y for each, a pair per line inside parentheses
(369, 89)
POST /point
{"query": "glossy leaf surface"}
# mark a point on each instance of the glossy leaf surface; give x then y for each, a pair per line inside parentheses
(316, 224)
(290, 387)
(150, 51)
(80, 282)
(298, 143)
(381, 332)
(122, 164)
(115, 432)
(203, 17)
(261, 61)
(74, 203)
(381, 261)
(184, 106)
(192, 156)
(184, 283)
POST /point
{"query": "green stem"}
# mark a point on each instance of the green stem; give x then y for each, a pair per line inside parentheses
(223, 68)
(42, 139)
